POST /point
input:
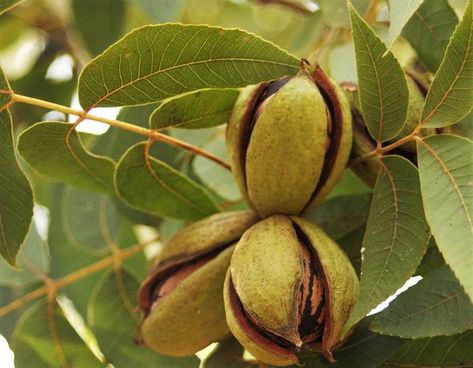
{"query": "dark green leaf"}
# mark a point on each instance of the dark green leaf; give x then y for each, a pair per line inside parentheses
(341, 215)
(6, 5)
(429, 31)
(432, 260)
(383, 89)
(436, 306)
(54, 150)
(364, 349)
(152, 186)
(100, 23)
(446, 176)
(16, 198)
(156, 62)
(434, 352)
(43, 338)
(399, 14)
(200, 109)
(450, 97)
(113, 313)
(396, 235)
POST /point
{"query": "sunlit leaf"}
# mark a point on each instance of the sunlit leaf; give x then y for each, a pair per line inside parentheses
(443, 351)
(446, 176)
(100, 23)
(399, 14)
(383, 89)
(201, 109)
(16, 199)
(47, 148)
(450, 97)
(43, 338)
(396, 235)
(152, 186)
(429, 31)
(113, 312)
(156, 62)
(436, 306)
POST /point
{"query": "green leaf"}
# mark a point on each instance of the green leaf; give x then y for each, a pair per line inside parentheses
(90, 220)
(156, 62)
(363, 349)
(113, 313)
(446, 176)
(443, 351)
(432, 260)
(200, 109)
(229, 354)
(342, 215)
(383, 89)
(155, 187)
(399, 14)
(436, 306)
(450, 97)
(43, 338)
(100, 23)
(396, 235)
(46, 147)
(16, 198)
(429, 31)
(6, 5)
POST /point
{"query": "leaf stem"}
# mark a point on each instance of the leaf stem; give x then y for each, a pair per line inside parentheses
(62, 282)
(380, 151)
(122, 125)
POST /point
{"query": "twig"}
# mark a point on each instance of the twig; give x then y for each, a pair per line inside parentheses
(52, 285)
(122, 125)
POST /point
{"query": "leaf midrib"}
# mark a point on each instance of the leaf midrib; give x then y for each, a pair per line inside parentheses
(450, 87)
(176, 67)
